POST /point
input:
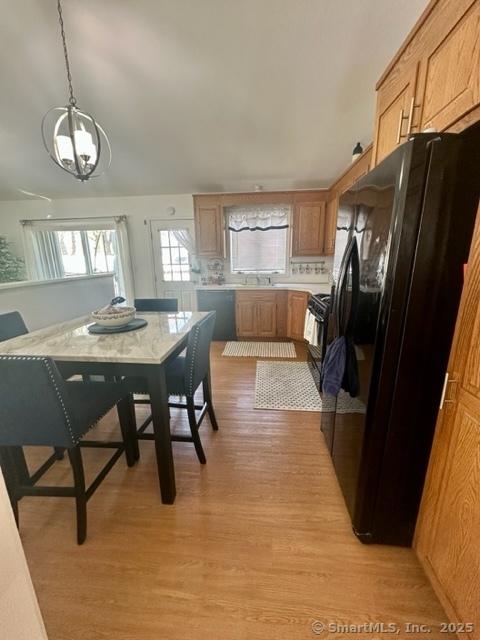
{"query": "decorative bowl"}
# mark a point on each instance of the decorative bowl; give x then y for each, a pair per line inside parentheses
(113, 316)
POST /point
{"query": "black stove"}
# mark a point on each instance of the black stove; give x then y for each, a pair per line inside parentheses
(319, 307)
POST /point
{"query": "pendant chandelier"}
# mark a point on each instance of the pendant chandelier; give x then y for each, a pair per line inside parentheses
(72, 137)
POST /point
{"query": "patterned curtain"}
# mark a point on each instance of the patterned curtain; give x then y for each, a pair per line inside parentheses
(258, 218)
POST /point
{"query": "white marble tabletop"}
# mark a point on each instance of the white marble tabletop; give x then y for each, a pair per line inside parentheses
(71, 341)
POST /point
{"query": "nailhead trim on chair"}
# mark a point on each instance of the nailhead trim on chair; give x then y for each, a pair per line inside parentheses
(55, 386)
(194, 349)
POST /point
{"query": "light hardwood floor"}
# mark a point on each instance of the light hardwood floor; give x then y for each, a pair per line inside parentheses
(257, 546)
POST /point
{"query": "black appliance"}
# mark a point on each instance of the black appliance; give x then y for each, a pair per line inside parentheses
(319, 307)
(403, 236)
(223, 302)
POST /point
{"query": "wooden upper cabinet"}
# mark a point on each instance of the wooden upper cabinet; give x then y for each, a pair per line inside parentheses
(396, 106)
(434, 79)
(452, 81)
(308, 228)
(209, 228)
(331, 226)
(354, 172)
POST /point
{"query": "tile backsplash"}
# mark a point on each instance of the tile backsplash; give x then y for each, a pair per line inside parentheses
(299, 270)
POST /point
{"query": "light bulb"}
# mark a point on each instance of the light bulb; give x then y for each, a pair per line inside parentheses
(63, 149)
(83, 143)
(92, 154)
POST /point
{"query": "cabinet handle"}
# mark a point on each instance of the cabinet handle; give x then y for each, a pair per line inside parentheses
(400, 123)
(410, 124)
(444, 391)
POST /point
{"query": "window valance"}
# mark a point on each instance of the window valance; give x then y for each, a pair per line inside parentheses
(258, 218)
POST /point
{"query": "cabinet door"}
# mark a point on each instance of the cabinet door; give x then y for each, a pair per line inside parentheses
(267, 318)
(209, 231)
(246, 318)
(396, 111)
(282, 306)
(330, 227)
(452, 84)
(308, 228)
(447, 538)
(297, 306)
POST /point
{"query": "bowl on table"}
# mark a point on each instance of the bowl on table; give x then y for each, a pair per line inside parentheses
(112, 316)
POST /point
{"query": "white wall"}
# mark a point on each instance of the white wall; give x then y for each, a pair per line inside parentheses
(52, 301)
(20, 617)
(138, 209)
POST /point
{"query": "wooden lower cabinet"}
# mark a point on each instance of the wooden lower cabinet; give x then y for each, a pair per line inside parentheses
(256, 314)
(246, 316)
(271, 314)
(297, 306)
(282, 308)
(267, 317)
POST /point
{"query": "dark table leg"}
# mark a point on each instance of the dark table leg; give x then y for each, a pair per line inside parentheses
(161, 428)
(20, 465)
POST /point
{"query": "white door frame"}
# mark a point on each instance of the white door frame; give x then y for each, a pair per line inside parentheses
(183, 291)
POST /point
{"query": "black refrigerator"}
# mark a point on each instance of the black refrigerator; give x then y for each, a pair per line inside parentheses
(403, 237)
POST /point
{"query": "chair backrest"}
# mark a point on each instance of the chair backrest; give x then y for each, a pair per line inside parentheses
(156, 304)
(33, 405)
(11, 325)
(198, 352)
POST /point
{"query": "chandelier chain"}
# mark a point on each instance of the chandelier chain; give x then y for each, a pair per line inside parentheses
(72, 99)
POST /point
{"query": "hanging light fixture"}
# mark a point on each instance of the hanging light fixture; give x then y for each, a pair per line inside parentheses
(72, 137)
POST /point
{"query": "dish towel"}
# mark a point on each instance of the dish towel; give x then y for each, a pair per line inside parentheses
(333, 369)
(310, 329)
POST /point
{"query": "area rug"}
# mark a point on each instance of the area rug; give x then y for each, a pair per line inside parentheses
(343, 403)
(289, 386)
(286, 386)
(260, 350)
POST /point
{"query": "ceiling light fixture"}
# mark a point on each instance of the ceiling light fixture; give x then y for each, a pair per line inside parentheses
(73, 139)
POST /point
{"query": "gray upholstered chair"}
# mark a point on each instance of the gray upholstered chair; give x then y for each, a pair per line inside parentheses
(39, 408)
(11, 325)
(156, 304)
(184, 375)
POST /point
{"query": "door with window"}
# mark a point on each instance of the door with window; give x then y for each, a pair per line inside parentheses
(173, 247)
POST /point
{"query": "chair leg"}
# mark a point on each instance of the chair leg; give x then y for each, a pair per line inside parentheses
(207, 397)
(75, 457)
(133, 426)
(59, 453)
(192, 420)
(125, 417)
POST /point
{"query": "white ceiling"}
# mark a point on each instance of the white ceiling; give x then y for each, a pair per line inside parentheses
(197, 95)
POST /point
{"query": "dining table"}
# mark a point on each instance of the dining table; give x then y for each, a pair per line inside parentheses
(144, 353)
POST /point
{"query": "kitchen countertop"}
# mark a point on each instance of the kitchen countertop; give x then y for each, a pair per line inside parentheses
(309, 287)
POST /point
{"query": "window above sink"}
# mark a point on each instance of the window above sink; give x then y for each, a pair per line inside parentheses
(258, 239)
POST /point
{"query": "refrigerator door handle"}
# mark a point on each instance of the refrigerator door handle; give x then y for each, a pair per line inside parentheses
(351, 250)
